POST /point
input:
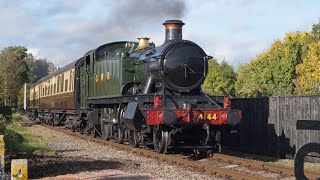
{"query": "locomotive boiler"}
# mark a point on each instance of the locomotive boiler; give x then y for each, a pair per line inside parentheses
(140, 93)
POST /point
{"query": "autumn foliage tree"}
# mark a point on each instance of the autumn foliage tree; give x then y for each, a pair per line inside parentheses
(219, 76)
(309, 71)
(289, 67)
(273, 73)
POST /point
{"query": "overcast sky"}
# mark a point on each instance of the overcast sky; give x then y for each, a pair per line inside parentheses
(236, 30)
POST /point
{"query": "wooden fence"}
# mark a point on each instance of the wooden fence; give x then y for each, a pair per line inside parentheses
(269, 124)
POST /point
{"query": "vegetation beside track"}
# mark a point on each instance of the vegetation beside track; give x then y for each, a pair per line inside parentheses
(20, 139)
(315, 167)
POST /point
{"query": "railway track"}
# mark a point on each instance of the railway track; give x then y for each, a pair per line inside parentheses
(224, 173)
(285, 172)
(196, 165)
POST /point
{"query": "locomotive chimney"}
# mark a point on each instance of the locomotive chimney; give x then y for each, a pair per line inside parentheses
(143, 43)
(173, 30)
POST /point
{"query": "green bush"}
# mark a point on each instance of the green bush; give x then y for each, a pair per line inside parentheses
(19, 139)
(13, 140)
(16, 117)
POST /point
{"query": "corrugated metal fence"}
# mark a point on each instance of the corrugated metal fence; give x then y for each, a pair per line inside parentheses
(269, 124)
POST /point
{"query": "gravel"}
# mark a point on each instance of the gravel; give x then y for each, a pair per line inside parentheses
(74, 158)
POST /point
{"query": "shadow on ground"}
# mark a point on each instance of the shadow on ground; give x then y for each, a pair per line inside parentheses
(41, 166)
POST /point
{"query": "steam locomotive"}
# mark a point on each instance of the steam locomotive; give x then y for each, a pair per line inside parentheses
(138, 93)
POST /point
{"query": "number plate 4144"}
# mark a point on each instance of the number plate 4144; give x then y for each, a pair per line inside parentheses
(208, 117)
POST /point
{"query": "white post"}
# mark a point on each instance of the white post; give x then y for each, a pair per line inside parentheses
(25, 97)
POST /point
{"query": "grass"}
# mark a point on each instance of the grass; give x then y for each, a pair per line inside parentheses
(16, 117)
(20, 139)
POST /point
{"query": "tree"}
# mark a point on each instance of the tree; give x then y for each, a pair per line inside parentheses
(20, 97)
(309, 71)
(219, 76)
(37, 68)
(19, 51)
(246, 84)
(316, 30)
(18, 67)
(12, 73)
(50, 67)
(273, 72)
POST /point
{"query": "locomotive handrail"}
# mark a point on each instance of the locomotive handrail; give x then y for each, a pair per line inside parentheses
(146, 60)
(211, 99)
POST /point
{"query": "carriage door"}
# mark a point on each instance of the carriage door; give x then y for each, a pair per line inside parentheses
(83, 78)
(91, 76)
(87, 79)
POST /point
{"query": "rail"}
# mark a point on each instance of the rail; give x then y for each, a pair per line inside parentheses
(263, 166)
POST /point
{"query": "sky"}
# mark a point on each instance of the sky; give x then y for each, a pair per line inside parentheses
(233, 30)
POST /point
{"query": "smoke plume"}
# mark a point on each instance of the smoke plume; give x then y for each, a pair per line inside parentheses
(148, 10)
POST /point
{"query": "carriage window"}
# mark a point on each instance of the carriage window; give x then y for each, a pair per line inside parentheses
(66, 85)
(62, 81)
(90, 63)
(70, 80)
(48, 88)
(58, 85)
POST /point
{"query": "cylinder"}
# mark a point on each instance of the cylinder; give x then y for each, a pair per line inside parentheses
(173, 30)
